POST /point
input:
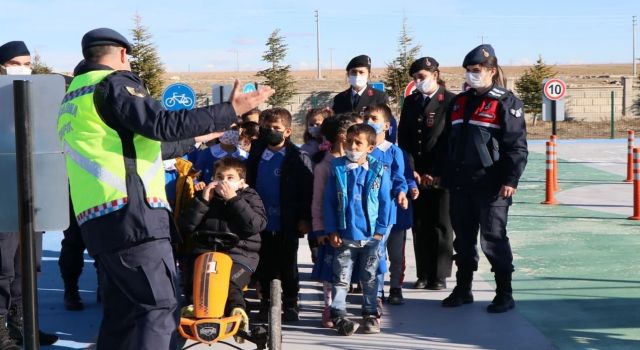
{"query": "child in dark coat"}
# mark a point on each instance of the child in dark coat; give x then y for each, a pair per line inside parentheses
(228, 204)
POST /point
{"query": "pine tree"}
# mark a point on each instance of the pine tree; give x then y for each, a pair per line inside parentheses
(144, 58)
(396, 76)
(39, 67)
(530, 85)
(278, 76)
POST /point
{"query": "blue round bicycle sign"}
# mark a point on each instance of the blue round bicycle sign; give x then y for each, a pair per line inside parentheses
(178, 96)
(249, 87)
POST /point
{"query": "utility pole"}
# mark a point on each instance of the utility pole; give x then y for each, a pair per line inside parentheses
(318, 44)
(237, 54)
(634, 21)
(331, 59)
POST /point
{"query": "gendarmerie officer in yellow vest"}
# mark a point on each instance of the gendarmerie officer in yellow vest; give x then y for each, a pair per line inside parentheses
(111, 131)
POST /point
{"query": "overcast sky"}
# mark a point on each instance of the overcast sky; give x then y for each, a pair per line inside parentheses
(203, 35)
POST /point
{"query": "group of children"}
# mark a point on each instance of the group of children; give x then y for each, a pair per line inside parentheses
(347, 188)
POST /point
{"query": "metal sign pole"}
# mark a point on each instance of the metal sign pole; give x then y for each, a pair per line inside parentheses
(553, 117)
(24, 171)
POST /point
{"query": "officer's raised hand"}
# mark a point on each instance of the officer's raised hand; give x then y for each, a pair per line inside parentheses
(243, 103)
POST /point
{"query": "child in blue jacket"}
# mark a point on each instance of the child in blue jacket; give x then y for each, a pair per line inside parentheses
(379, 117)
(357, 212)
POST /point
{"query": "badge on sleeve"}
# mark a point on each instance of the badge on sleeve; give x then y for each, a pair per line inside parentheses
(516, 112)
(133, 92)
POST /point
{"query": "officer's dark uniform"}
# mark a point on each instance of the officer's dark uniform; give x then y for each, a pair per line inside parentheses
(487, 149)
(132, 245)
(10, 260)
(420, 131)
(346, 102)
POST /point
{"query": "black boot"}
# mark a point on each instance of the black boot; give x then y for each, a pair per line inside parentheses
(15, 324)
(461, 294)
(503, 300)
(263, 312)
(6, 342)
(72, 300)
(290, 310)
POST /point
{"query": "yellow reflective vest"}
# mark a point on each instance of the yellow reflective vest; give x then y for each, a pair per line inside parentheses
(94, 155)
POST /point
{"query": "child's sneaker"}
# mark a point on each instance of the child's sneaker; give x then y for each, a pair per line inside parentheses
(371, 324)
(326, 318)
(345, 326)
(379, 307)
(395, 296)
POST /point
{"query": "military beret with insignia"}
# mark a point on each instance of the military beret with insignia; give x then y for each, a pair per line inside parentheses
(478, 55)
(13, 49)
(359, 61)
(426, 63)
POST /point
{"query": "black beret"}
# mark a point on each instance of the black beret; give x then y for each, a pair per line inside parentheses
(13, 49)
(426, 63)
(104, 36)
(478, 55)
(359, 61)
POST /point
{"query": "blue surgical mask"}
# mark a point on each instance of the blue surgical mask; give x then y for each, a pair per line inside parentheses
(378, 127)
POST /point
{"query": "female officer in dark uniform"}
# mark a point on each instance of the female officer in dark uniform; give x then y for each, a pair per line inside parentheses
(482, 164)
(422, 123)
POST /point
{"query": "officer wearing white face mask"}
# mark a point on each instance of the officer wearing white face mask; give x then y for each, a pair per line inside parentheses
(15, 59)
(360, 94)
(485, 156)
(420, 134)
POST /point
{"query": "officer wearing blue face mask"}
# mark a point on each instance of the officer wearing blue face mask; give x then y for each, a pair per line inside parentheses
(485, 156)
(360, 94)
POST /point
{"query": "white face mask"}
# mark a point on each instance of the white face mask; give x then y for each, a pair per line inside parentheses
(475, 80)
(358, 81)
(354, 156)
(17, 70)
(235, 185)
(426, 86)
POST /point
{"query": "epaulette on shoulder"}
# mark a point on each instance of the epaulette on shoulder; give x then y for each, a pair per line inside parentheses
(498, 93)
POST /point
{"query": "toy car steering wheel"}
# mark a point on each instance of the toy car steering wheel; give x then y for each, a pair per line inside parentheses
(215, 240)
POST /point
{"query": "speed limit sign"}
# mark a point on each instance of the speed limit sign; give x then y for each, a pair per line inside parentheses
(554, 89)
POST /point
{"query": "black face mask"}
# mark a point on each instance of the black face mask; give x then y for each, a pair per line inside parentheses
(271, 137)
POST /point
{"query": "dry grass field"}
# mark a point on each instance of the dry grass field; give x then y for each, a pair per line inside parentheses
(575, 75)
(335, 81)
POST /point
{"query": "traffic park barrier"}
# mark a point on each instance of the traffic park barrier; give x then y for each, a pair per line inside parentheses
(549, 188)
(630, 142)
(636, 184)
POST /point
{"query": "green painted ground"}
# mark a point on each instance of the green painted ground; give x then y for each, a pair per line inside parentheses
(577, 277)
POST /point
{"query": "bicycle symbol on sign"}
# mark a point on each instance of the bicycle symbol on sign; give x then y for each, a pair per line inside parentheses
(179, 99)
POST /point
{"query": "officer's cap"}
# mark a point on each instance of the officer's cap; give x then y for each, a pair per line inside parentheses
(360, 61)
(13, 49)
(427, 63)
(478, 55)
(104, 36)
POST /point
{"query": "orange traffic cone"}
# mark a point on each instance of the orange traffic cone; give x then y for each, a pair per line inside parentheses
(636, 184)
(549, 196)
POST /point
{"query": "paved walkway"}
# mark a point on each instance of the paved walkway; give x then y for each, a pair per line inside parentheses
(576, 281)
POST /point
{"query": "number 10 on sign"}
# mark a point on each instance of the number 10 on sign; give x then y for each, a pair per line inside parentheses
(554, 89)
